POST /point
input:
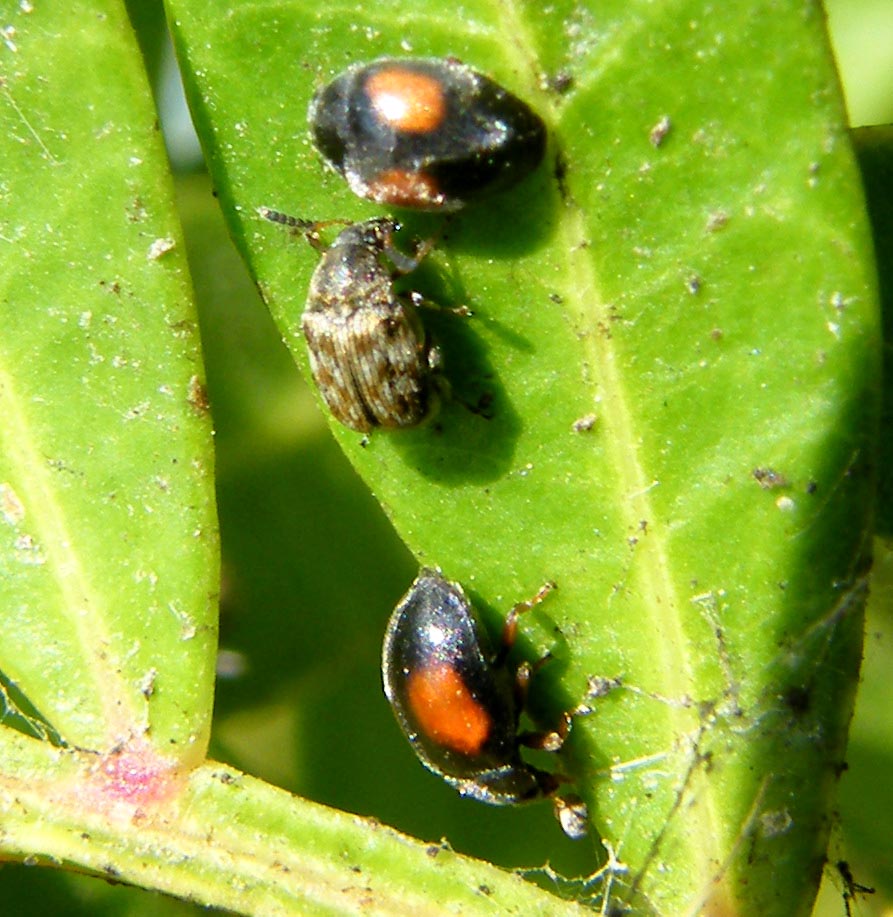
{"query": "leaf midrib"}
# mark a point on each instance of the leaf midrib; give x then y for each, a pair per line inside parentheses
(652, 582)
(658, 599)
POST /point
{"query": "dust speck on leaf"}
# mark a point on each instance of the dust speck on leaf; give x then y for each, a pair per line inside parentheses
(560, 82)
(716, 221)
(769, 478)
(159, 248)
(584, 424)
(8, 32)
(137, 211)
(775, 823)
(187, 624)
(11, 507)
(147, 683)
(28, 551)
(136, 411)
(659, 132)
(198, 395)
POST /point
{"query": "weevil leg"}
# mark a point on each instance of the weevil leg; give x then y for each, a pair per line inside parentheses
(420, 301)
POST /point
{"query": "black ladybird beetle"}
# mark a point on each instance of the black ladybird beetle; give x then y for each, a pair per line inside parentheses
(424, 133)
(459, 704)
(369, 354)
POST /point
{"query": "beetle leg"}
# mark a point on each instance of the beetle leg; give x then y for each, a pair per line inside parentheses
(421, 302)
(550, 740)
(572, 815)
(510, 628)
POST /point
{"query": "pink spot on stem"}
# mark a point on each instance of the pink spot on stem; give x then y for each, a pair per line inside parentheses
(132, 779)
(137, 776)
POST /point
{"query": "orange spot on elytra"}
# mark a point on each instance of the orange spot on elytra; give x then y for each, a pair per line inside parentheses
(410, 189)
(446, 710)
(407, 101)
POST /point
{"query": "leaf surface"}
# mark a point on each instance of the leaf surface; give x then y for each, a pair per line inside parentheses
(108, 558)
(676, 322)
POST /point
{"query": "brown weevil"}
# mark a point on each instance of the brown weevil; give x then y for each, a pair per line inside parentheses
(370, 356)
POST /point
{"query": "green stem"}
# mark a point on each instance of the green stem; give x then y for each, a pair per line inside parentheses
(223, 839)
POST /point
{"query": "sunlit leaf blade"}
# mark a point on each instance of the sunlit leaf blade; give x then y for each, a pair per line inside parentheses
(676, 321)
(108, 540)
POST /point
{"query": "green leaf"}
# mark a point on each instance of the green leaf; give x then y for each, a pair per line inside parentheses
(865, 790)
(109, 572)
(874, 146)
(703, 297)
(108, 558)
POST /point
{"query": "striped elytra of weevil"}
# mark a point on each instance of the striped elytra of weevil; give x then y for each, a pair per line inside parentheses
(371, 358)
